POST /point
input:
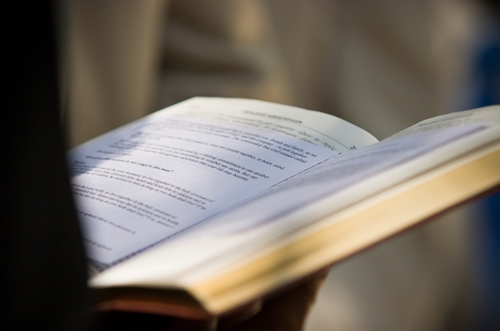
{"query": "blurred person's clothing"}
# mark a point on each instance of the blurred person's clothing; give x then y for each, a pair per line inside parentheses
(128, 58)
(111, 52)
(43, 277)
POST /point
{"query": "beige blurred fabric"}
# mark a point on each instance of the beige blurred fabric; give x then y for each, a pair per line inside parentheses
(126, 58)
(221, 48)
(111, 63)
(382, 65)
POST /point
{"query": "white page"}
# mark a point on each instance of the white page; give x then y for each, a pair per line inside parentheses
(226, 239)
(146, 182)
(488, 115)
(345, 170)
(337, 174)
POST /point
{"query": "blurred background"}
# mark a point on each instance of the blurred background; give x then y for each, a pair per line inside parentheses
(380, 64)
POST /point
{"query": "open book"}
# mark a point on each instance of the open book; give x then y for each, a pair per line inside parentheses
(206, 205)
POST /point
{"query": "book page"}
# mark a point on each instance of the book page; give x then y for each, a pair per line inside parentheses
(451, 134)
(341, 172)
(141, 184)
(298, 202)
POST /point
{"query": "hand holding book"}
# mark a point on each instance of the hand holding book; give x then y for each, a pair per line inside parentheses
(210, 204)
(286, 310)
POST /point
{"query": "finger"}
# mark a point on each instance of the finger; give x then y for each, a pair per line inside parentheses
(288, 309)
(239, 316)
